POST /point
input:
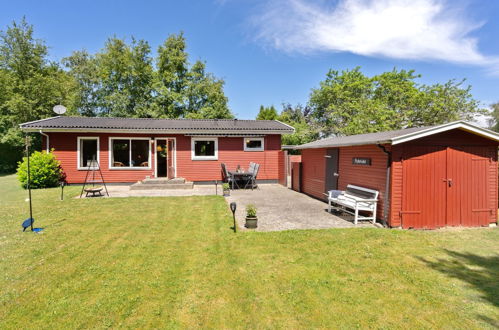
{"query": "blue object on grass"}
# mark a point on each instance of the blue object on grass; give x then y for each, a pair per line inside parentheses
(27, 223)
(37, 230)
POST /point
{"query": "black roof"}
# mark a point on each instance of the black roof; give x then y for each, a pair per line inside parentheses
(153, 125)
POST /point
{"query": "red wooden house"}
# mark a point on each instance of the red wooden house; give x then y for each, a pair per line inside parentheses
(427, 177)
(129, 150)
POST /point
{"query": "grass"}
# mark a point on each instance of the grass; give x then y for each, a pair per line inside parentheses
(175, 263)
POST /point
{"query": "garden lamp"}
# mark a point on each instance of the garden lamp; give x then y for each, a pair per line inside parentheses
(233, 207)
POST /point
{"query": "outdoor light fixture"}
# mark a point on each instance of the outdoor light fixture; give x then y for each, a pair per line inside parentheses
(233, 207)
(62, 190)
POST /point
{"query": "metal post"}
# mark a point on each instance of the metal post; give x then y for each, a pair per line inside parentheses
(29, 184)
(216, 187)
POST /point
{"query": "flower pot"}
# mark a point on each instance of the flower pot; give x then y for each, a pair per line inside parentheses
(251, 222)
(226, 192)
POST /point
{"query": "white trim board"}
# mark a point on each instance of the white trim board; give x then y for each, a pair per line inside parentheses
(78, 139)
(174, 155)
(194, 157)
(444, 128)
(261, 139)
(132, 168)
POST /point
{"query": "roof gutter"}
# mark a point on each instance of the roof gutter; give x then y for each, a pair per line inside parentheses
(48, 139)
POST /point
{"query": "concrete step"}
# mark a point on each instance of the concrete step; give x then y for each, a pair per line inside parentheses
(161, 186)
(164, 181)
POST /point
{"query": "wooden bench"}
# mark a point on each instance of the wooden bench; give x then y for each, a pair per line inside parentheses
(353, 200)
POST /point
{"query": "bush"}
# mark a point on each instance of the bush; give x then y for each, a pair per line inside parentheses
(45, 170)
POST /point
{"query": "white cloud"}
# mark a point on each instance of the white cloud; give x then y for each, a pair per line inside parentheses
(402, 29)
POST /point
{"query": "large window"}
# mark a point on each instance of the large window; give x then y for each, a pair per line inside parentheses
(130, 153)
(204, 148)
(253, 144)
(88, 151)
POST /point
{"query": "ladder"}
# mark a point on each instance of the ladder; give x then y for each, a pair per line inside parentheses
(93, 179)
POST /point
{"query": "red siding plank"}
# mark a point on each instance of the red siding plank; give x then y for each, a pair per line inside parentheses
(230, 152)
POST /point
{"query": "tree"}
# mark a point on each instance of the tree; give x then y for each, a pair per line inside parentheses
(299, 118)
(349, 102)
(185, 91)
(31, 86)
(267, 113)
(83, 68)
(494, 114)
(124, 80)
(205, 95)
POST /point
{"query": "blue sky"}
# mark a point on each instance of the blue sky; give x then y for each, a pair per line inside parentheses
(274, 51)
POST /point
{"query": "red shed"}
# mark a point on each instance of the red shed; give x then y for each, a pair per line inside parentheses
(428, 177)
(132, 149)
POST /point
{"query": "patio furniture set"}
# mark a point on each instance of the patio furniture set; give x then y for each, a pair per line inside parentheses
(240, 178)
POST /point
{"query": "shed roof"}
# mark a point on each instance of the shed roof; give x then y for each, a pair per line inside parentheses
(398, 136)
(146, 125)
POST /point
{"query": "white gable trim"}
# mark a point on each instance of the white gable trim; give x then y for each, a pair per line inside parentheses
(447, 127)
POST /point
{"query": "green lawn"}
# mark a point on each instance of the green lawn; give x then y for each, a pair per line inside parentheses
(175, 263)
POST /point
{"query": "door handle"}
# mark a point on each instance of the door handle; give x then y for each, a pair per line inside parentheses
(449, 182)
(336, 174)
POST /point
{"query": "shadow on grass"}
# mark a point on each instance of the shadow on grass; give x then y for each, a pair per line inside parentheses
(481, 272)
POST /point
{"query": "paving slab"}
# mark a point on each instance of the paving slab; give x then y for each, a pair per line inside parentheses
(280, 208)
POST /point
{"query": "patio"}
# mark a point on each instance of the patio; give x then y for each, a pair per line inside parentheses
(278, 207)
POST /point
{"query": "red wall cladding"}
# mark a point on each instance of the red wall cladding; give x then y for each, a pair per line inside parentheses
(230, 152)
(313, 172)
(372, 176)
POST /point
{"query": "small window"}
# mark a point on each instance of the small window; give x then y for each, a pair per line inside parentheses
(130, 153)
(88, 151)
(204, 148)
(253, 144)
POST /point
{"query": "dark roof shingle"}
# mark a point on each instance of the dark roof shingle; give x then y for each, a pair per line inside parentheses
(149, 124)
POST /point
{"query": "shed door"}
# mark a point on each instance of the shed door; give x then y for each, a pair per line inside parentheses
(467, 192)
(332, 169)
(424, 188)
(445, 187)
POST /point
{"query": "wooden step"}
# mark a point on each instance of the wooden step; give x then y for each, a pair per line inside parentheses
(161, 186)
(163, 181)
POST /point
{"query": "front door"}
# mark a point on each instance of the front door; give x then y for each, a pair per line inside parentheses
(161, 158)
(332, 156)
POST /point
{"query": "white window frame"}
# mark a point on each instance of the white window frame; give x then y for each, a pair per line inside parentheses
(193, 150)
(128, 168)
(261, 139)
(78, 151)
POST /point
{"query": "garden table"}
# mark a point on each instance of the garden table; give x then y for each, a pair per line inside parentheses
(240, 176)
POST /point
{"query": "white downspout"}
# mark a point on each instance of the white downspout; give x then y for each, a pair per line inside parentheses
(48, 140)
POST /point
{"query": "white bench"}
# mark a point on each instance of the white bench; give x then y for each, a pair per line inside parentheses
(357, 199)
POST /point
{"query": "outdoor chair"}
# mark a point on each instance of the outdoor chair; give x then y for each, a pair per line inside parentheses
(251, 167)
(226, 177)
(252, 179)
